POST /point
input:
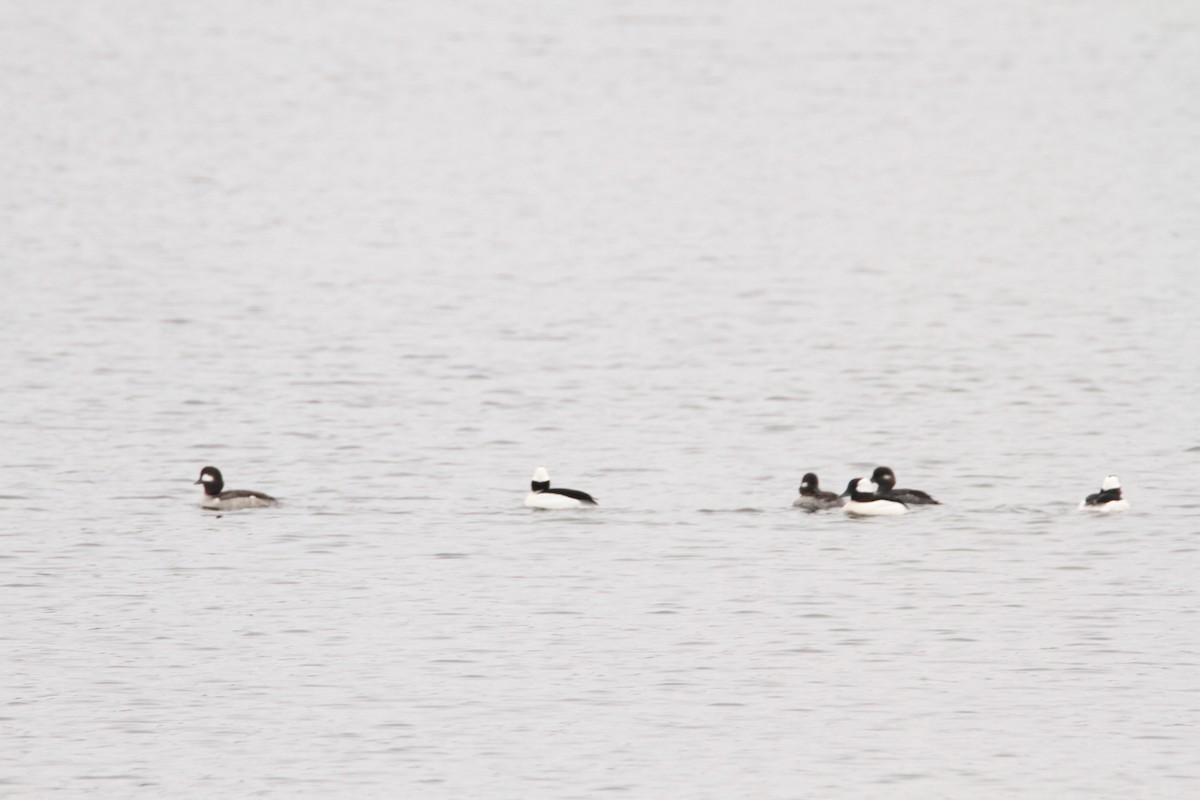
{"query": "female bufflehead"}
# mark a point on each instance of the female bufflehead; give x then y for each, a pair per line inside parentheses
(542, 496)
(865, 502)
(812, 498)
(232, 500)
(886, 479)
(1107, 499)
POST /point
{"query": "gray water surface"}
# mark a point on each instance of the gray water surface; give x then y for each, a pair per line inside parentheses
(382, 260)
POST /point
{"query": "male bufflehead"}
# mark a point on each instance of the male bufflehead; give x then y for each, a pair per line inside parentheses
(542, 496)
(812, 498)
(1107, 499)
(232, 500)
(865, 502)
(886, 480)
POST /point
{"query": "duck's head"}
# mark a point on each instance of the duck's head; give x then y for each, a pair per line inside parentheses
(884, 478)
(211, 478)
(862, 489)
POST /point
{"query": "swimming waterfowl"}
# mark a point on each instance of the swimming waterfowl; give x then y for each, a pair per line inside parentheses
(542, 496)
(1108, 499)
(232, 500)
(886, 480)
(812, 498)
(866, 502)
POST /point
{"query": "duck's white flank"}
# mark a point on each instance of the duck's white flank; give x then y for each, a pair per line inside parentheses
(874, 508)
(551, 501)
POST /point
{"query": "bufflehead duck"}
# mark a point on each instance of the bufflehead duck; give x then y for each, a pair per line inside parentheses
(812, 498)
(866, 502)
(886, 480)
(1107, 499)
(232, 500)
(542, 496)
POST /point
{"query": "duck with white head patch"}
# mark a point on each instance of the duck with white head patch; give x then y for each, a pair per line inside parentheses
(886, 480)
(1108, 499)
(812, 498)
(865, 501)
(542, 496)
(232, 500)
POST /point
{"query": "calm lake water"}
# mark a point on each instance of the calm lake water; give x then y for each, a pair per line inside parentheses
(382, 260)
